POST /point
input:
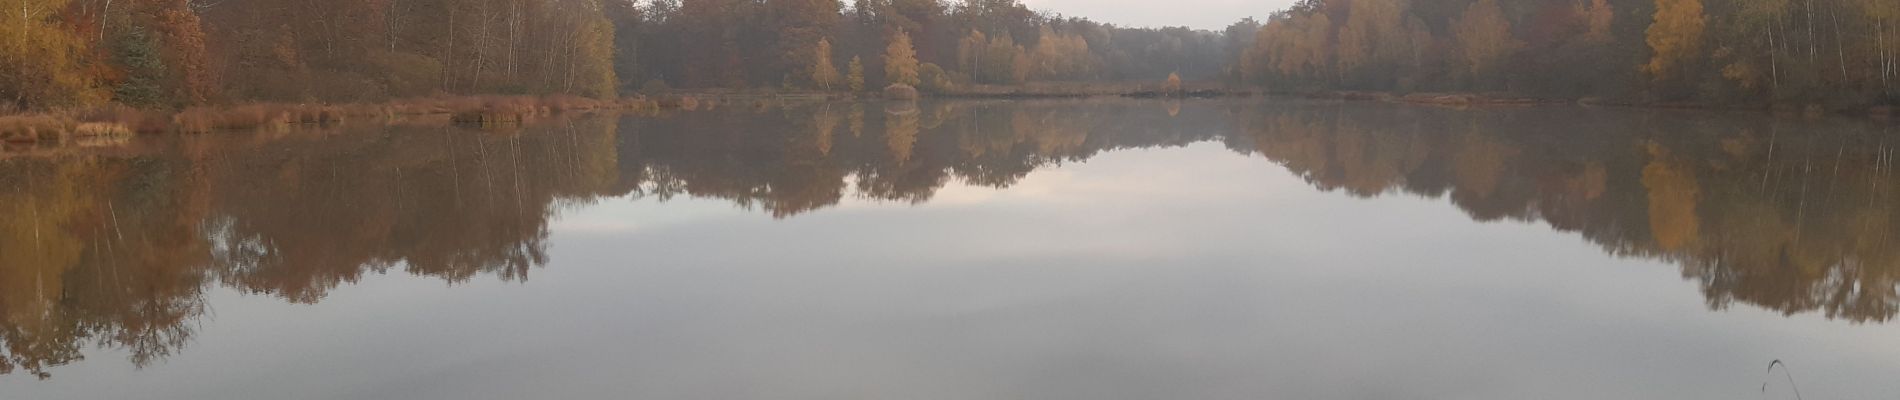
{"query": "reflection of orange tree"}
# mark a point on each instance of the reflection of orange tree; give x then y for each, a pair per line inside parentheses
(113, 252)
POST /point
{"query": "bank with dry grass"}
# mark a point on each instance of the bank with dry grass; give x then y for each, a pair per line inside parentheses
(119, 121)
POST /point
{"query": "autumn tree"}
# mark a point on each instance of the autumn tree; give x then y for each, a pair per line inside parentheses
(1371, 37)
(183, 40)
(854, 78)
(1004, 61)
(40, 62)
(970, 51)
(1485, 36)
(900, 60)
(1675, 37)
(796, 24)
(1060, 56)
(823, 74)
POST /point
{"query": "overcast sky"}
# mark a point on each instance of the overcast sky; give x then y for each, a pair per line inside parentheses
(1199, 14)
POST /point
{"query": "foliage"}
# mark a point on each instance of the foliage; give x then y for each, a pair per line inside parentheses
(823, 75)
(144, 71)
(1834, 54)
(57, 53)
(1485, 37)
(854, 79)
(900, 60)
(1675, 38)
(932, 78)
(41, 64)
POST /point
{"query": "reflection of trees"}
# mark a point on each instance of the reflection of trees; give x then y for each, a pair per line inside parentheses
(791, 162)
(450, 204)
(1793, 222)
(116, 251)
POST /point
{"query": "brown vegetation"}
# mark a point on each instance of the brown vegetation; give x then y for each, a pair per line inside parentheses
(115, 120)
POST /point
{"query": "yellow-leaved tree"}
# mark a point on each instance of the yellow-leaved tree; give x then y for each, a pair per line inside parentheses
(854, 78)
(1485, 36)
(39, 60)
(900, 60)
(1675, 37)
(1373, 34)
(823, 74)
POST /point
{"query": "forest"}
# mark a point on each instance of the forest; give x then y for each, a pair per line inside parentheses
(1834, 53)
(176, 53)
(170, 54)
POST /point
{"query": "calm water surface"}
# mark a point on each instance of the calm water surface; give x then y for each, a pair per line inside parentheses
(1100, 249)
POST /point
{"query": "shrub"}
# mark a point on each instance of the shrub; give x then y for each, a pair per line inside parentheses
(933, 78)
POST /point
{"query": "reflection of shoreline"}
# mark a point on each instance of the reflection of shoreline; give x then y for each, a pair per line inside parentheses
(116, 247)
(1790, 215)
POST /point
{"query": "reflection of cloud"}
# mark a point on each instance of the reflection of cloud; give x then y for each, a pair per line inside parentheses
(628, 215)
(1123, 175)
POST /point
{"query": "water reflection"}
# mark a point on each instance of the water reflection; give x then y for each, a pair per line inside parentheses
(116, 247)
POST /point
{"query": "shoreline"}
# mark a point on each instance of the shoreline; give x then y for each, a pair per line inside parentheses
(1452, 99)
(116, 120)
(489, 111)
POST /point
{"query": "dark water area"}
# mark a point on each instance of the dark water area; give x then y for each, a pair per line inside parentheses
(1062, 249)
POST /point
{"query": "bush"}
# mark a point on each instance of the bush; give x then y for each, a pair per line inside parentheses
(933, 78)
(1173, 85)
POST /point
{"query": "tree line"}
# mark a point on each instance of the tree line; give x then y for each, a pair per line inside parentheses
(169, 53)
(1827, 52)
(174, 53)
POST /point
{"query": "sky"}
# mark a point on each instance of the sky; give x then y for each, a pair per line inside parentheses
(1198, 14)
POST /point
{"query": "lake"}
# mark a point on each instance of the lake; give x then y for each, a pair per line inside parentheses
(1049, 249)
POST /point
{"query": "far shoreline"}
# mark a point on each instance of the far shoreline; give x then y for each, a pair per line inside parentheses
(499, 110)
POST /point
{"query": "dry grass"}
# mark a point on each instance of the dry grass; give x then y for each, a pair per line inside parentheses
(118, 120)
(678, 102)
(34, 127)
(65, 126)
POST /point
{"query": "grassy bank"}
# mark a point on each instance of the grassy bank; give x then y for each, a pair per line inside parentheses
(62, 126)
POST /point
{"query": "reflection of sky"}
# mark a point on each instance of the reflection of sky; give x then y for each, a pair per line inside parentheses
(1176, 273)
